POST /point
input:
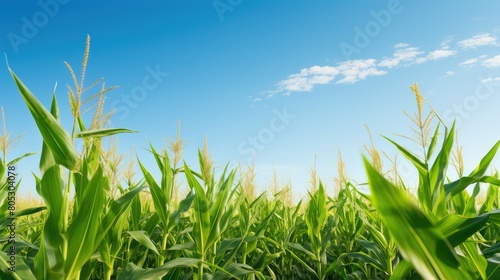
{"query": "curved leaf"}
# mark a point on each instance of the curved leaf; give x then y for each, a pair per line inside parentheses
(420, 243)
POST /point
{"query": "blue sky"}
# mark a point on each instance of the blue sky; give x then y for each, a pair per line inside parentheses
(281, 80)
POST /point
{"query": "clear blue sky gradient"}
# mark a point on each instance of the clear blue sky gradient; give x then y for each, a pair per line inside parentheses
(243, 74)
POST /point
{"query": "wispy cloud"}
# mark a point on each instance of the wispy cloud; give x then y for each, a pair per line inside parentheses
(356, 70)
(407, 54)
(352, 71)
(469, 62)
(490, 80)
(403, 54)
(401, 45)
(483, 39)
(446, 43)
(308, 77)
(492, 62)
(438, 54)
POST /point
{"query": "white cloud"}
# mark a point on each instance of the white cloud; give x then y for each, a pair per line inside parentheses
(357, 64)
(407, 54)
(403, 53)
(438, 54)
(352, 71)
(308, 77)
(296, 83)
(360, 69)
(435, 55)
(477, 41)
(469, 62)
(323, 70)
(389, 62)
(489, 80)
(401, 45)
(421, 60)
(492, 62)
(445, 44)
(356, 75)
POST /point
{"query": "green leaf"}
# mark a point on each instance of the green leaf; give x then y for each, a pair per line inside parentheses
(458, 229)
(304, 264)
(143, 238)
(491, 197)
(117, 208)
(202, 223)
(83, 231)
(472, 260)
(51, 188)
(183, 207)
(22, 272)
(301, 248)
(98, 133)
(230, 244)
(29, 211)
(158, 196)
(376, 253)
(424, 191)
(492, 250)
(16, 160)
(46, 158)
(476, 175)
(236, 271)
(421, 166)
(420, 243)
(437, 174)
(315, 218)
(56, 138)
(366, 259)
(403, 268)
(219, 214)
(493, 269)
(456, 187)
(183, 246)
(133, 272)
(433, 143)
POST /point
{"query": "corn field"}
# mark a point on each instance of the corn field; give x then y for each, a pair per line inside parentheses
(94, 224)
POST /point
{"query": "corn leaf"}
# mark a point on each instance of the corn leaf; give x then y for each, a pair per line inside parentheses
(116, 210)
(98, 133)
(51, 187)
(420, 243)
(142, 237)
(403, 268)
(83, 230)
(493, 269)
(475, 176)
(22, 272)
(458, 229)
(54, 136)
(133, 272)
(437, 174)
(201, 226)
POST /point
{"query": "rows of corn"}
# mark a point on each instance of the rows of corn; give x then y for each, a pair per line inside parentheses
(94, 224)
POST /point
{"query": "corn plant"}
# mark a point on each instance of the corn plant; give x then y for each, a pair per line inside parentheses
(438, 242)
